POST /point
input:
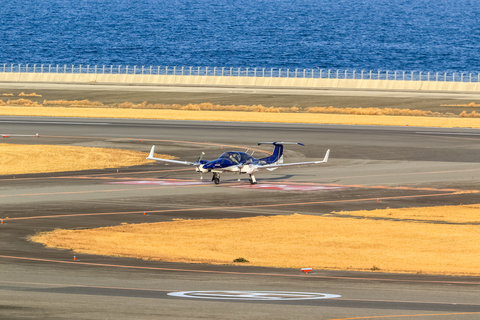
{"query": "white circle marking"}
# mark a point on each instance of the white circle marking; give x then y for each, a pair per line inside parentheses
(253, 295)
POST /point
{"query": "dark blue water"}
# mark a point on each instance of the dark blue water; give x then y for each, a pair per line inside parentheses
(423, 35)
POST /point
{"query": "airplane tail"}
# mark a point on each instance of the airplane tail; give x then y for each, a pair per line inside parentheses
(277, 155)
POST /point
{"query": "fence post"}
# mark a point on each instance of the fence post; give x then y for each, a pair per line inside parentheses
(119, 69)
(353, 74)
(461, 77)
(4, 66)
(223, 71)
(321, 73)
(436, 77)
(411, 76)
(271, 72)
(386, 75)
(370, 74)
(378, 76)
(420, 76)
(345, 73)
(26, 68)
(395, 76)
(328, 75)
(206, 71)
(428, 78)
(111, 69)
(453, 79)
(279, 72)
(64, 68)
(337, 74)
(263, 73)
(361, 76)
(470, 77)
(255, 72)
(445, 77)
(288, 72)
(231, 71)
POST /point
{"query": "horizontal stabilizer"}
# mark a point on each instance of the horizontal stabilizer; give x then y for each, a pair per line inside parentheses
(281, 143)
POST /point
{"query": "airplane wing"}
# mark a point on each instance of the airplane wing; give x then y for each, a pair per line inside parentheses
(297, 164)
(151, 157)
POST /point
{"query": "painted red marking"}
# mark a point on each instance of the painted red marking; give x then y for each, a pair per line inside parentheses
(160, 182)
(286, 187)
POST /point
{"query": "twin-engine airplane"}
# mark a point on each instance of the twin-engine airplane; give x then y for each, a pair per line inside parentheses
(242, 162)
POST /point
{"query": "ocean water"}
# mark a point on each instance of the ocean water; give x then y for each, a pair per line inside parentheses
(415, 35)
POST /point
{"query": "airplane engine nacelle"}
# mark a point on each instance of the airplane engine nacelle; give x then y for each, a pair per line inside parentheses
(248, 169)
(201, 170)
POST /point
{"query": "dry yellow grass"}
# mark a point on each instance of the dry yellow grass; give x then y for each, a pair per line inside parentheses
(293, 241)
(451, 214)
(23, 94)
(20, 159)
(471, 104)
(241, 116)
(7, 94)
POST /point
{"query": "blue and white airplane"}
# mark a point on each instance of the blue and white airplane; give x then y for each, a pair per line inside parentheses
(242, 162)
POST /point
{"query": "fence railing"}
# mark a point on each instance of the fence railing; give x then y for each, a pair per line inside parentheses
(244, 72)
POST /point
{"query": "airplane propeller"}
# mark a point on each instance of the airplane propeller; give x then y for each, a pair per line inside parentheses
(200, 158)
(198, 162)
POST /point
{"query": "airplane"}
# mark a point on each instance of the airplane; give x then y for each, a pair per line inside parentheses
(242, 162)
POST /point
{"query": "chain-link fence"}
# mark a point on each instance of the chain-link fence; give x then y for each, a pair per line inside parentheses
(245, 72)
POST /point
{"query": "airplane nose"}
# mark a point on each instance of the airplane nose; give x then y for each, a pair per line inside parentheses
(209, 165)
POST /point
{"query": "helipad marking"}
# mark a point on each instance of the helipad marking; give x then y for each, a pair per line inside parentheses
(286, 187)
(160, 182)
(253, 295)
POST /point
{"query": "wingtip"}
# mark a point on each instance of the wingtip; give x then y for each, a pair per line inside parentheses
(152, 152)
(326, 156)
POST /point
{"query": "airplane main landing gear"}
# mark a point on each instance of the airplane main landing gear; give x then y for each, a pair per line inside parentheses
(216, 178)
(252, 179)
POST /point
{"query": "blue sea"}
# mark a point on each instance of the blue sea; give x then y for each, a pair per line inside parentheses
(415, 35)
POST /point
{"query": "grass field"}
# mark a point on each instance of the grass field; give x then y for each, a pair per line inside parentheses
(20, 159)
(296, 241)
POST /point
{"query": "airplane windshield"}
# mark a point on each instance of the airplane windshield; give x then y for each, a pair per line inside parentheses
(236, 157)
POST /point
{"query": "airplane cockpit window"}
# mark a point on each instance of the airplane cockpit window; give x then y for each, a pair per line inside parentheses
(236, 157)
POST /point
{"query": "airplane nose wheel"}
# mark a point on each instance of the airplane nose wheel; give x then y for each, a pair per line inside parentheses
(216, 178)
(252, 179)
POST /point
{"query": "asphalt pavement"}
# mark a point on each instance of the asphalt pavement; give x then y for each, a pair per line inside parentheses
(400, 167)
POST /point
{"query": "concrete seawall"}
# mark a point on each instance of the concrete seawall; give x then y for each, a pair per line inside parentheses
(239, 81)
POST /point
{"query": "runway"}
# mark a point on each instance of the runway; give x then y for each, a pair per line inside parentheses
(369, 168)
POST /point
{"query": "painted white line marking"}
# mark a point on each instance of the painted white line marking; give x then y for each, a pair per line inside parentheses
(253, 295)
(56, 122)
(450, 133)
